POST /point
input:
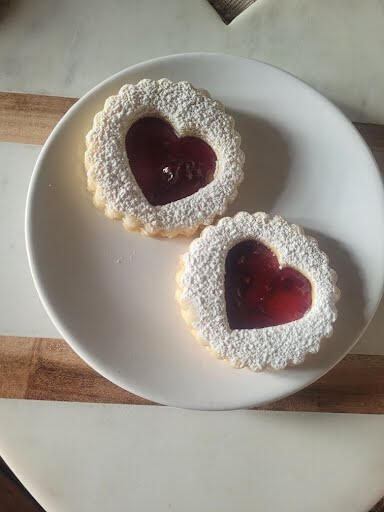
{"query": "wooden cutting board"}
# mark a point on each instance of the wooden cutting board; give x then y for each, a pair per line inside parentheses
(48, 369)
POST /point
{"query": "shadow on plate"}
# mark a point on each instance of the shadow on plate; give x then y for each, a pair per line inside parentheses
(267, 164)
(351, 319)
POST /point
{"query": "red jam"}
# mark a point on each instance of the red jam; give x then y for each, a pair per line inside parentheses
(166, 167)
(258, 292)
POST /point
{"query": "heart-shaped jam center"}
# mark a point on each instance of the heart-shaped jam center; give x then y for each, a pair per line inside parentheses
(166, 167)
(258, 292)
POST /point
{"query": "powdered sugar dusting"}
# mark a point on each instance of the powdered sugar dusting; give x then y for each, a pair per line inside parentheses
(203, 292)
(191, 112)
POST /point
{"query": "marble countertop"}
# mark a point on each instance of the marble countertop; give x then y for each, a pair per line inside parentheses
(111, 457)
(65, 48)
(81, 457)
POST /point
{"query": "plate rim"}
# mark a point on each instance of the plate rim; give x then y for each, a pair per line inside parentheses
(34, 269)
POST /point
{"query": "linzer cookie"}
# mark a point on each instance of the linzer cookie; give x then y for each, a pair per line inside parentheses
(163, 157)
(257, 291)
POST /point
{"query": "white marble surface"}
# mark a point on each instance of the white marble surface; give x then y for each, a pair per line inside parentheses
(66, 47)
(81, 457)
(88, 457)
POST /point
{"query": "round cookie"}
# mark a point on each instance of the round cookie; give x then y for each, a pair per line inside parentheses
(257, 291)
(163, 157)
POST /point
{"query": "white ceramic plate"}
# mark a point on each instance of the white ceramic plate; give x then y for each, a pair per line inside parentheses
(111, 293)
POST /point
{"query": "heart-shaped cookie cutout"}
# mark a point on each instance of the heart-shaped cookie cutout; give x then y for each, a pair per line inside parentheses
(167, 167)
(258, 292)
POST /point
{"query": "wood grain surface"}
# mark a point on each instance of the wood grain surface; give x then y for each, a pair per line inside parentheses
(47, 369)
(30, 118)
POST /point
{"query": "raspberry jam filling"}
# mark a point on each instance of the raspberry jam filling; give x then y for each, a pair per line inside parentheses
(167, 167)
(258, 292)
